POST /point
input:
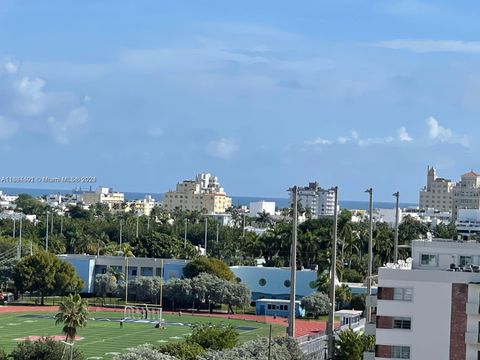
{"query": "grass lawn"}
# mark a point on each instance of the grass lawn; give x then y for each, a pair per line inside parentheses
(103, 339)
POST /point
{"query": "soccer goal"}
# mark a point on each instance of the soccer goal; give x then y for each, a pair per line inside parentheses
(151, 313)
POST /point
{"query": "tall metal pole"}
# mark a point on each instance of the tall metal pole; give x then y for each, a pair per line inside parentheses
(370, 253)
(333, 270)
(206, 234)
(51, 227)
(121, 234)
(218, 226)
(293, 265)
(46, 233)
(161, 284)
(397, 220)
(61, 223)
(270, 343)
(148, 223)
(126, 280)
(185, 235)
(136, 233)
(243, 226)
(20, 239)
(14, 226)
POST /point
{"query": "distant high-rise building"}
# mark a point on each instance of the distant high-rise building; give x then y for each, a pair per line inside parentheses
(466, 193)
(320, 202)
(203, 194)
(438, 192)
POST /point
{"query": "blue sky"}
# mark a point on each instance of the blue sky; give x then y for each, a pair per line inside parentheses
(265, 94)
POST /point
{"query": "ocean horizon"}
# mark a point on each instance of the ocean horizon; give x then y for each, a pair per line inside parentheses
(236, 200)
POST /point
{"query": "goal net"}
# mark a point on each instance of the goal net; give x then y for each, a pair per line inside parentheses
(152, 313)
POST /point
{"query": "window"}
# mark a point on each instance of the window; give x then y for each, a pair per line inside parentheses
(270, 307)
(403, 294)
(465, 260)
(286, 283)
(402, 323)
(401, 352)
(262, 282)
(428, 260)
(284, 307)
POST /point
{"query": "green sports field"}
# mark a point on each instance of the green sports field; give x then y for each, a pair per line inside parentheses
(103, 337)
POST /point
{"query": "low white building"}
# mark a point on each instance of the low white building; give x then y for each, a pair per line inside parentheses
(468, 222)
(262, 206)
(431, 309)
(387, 216)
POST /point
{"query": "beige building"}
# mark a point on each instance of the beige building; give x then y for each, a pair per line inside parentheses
(466, 194)
(438, 194)
(203, 194)
(103, 195)
(141, 206)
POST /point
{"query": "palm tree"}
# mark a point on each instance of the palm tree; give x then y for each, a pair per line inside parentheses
(73, 313)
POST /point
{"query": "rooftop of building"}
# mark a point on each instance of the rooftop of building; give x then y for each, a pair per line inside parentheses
(471, 174)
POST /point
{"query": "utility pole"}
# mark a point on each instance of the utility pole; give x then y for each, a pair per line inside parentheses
(148, 223)
(121, 234)
(206, 234)
(20, 240)
(333, 270)
(293, 264)
(46, 233)
(136, 233)
(185, 235)
(218, 225)
(244, 225)
(370, 253)
(51, 228)
(61, 223)
(397, 220)
(14, 226)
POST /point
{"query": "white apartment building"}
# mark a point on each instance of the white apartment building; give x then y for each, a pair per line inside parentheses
(260, 206)
(203, 194)
(438, 193)
(142, 206)
(430, 309)
(466, 194)
(321, 202)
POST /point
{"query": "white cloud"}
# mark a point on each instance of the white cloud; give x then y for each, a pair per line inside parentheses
(222, 148)
(155, 132)
(403, 135)
(27, 104)
(7, 128)
(441, 134)
(375, 141)
(319, 141)
(10, 67)
(343, 140)
(429, 45)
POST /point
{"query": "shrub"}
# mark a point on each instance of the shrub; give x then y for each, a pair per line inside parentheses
(282, 348)
(351, 345)
(182, 350)
(3, 356)
(316, 304)
(43, 349)
(143, 352)
(214, 336)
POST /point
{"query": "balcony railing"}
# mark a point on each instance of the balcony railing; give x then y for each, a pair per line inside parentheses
(472, 338)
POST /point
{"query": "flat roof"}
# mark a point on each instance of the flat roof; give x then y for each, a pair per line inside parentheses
(347, 313)
(277, 300)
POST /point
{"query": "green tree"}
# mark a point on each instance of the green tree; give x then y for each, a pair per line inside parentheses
(211, 266)
(105, 284)
(45, 273)
(143, 352)
(316, 304)
(351, 345)
(73, 314)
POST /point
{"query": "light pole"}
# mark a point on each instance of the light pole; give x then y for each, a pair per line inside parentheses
(51, 227)
(20, 240)
(218, 226)
(243, 233)
(370, 253)
(121, 224)
(206, 234)
(397, 220)
(185, 235)
(293, 264)
(136, 232)
(46, 233)
(14, 226)
(333, 270)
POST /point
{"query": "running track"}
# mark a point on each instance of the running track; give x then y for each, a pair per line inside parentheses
(302, 327)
